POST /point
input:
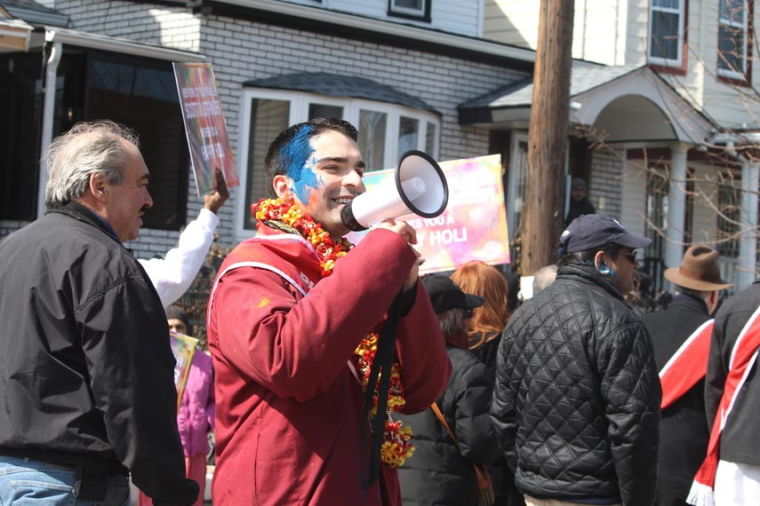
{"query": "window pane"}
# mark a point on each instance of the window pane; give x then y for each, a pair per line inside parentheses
(409, 4)
(430, 139)
(20, 110)
(408, 133)
(372, 126)
(732, 11)
(729, 214)
(667, 4)
(325, 111)
(657, 210)
(731, 48)
(142, 95)
(268, 118)
(664, 35)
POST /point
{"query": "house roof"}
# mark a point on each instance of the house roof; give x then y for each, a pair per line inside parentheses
(625, 103)
(582, 79)
(340, 86)
(34, 12)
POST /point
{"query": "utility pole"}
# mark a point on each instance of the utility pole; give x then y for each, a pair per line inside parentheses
(543, 215)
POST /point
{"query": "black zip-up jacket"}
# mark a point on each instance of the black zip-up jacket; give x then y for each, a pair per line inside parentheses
(738, 442)
(86, 371)
(440, 472)
(576, 398)
(683, 427)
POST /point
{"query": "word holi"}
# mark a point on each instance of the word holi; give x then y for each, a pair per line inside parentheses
(438, 237)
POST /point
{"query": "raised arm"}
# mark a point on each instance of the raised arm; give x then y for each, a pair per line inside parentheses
(296, 346)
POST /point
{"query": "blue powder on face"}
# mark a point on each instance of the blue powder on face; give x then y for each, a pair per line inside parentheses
(296, 158)
(296, 152)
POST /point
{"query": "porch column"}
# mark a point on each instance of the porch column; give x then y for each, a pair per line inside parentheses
(747, 243)
(674, 233)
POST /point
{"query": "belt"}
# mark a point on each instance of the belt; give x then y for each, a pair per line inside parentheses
(89, 484)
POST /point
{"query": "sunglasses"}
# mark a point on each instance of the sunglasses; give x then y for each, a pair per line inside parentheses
(467, 313)
(631, 257)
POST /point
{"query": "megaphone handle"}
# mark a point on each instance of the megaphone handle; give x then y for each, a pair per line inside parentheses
(349, 220)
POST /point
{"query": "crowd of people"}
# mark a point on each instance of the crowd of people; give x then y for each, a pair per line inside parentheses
(335, 374)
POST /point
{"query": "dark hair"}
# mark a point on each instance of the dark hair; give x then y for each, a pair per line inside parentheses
(176, 312)
(454, 327)
(279, 157)
(586, 257)
(700, 294)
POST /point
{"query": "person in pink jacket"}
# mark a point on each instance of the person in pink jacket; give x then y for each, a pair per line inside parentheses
(195, 417)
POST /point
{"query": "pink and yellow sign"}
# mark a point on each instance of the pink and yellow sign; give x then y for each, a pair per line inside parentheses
(474, 225)
(183, 348)
(206, 130)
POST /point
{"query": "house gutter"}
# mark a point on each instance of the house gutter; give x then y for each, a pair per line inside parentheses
(48, 113)
(409, 32)
(104, 43)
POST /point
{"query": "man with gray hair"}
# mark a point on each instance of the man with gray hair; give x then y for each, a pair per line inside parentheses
(86, 375)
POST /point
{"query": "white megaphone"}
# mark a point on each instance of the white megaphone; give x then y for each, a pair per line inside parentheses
(418, 186)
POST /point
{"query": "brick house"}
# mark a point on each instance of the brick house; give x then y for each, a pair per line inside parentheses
(397, 71)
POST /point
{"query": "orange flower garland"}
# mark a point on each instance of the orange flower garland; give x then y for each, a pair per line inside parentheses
(397, 446)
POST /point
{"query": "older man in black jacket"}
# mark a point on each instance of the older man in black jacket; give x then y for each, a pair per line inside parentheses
(576, 399)
(86, 372)
(683, 428)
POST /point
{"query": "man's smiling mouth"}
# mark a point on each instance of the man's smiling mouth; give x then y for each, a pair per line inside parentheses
(343, 200)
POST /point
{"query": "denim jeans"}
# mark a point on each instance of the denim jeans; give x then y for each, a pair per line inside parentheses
(31, 482)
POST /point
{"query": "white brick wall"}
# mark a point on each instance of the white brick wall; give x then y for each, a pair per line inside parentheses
(243, 50)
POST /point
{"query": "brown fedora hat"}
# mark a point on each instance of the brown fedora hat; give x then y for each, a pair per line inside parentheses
(699, 270)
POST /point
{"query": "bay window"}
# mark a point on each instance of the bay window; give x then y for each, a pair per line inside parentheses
(386, 131)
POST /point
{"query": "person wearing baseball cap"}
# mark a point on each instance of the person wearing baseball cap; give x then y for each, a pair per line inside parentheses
(683, 426)
(576, 398)
(601, 241)
(445, 295)
(441, 471)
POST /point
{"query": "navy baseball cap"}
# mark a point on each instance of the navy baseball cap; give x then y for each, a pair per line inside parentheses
(595, 230)
(445, 294)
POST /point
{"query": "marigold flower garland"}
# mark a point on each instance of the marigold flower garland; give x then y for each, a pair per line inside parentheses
(397, 446)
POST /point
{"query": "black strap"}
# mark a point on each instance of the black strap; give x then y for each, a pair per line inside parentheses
(386, 352)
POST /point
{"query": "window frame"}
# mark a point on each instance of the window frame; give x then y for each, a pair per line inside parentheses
(732, 76)
(298, 112)
(666, 64)
(405, 12)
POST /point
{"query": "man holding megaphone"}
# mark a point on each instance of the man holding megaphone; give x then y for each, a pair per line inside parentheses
(295, 318)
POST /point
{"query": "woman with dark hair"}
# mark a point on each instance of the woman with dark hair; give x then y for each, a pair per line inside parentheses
(441, 471)
(488, 322)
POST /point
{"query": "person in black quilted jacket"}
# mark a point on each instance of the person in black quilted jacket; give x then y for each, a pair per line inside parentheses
(576, 396)
(440, 472)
